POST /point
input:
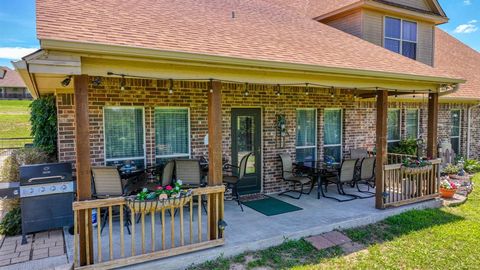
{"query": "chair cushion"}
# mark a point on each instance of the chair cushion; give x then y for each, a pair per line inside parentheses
(300, 179)
(229, 179)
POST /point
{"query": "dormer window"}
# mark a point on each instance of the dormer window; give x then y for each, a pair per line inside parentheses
(400, 36)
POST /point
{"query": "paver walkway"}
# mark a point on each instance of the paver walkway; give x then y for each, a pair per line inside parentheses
(332, 239)
(40, 245)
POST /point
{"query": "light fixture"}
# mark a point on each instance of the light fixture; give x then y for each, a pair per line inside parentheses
(396, 93)
(355, 93)
(170, 89)
(413, 93)
(97, 81)
(211, 86)
(429, 92)
(306, 89)
(65, 82)
(245, 91)
(122, 83)
(332, 94)
(222, 225)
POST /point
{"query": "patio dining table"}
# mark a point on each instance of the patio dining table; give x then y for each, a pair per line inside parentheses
(319, 171)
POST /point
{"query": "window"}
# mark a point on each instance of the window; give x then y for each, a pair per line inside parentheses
(306, 144)
(124, 136)
(412, 124)
(172, 133)
(455, 132)
(332, 135)
(400, 36)
(393, 127)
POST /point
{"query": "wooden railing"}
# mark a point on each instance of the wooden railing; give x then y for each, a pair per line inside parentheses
(110, 248)
(402, 187)
(393, 158)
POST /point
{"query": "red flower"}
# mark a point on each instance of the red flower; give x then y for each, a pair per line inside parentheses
(168, 188)
(159, 188)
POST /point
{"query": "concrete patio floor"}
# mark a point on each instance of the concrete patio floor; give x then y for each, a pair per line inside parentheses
(251, 230)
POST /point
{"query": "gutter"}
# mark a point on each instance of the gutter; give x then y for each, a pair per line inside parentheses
(455, 88)
(469, 122)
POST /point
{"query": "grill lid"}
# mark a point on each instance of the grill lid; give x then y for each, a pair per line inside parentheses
(45, 173)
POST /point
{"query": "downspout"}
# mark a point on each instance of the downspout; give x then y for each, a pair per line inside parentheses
(469, 120)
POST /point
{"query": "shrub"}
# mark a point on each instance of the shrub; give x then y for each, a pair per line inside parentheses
(471, 166)
(12, 223)
(407, 147)
(44, 124)
(451, 169)
(10, 170)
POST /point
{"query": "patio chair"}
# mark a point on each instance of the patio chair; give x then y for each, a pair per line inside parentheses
(189, 172)
(107, 183)
(232, 180)
(358, 153)
(291, 175)
(367, 174)
(345, 175)
(167, 173)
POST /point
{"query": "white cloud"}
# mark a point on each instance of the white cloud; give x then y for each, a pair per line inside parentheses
(467, 28)
(15, 53)
(467, 2)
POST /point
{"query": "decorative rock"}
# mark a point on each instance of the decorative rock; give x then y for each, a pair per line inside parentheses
(320, 242)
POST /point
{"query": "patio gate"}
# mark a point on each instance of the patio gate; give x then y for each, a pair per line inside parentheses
(110, 251)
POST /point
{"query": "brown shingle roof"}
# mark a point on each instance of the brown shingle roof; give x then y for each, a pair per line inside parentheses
(260, 30)
(11, 78)
(457, 58)
(313, 9)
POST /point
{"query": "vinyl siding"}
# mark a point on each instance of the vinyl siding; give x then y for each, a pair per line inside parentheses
(373, 32)
(420, 4)
(351, 23)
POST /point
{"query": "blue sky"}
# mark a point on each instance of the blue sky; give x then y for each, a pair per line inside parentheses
(18, 38)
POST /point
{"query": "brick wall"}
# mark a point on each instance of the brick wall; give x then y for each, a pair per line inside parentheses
(358, 122)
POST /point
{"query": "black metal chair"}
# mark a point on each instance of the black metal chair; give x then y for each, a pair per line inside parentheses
(345, 175)
(291, 175)
(234, 178)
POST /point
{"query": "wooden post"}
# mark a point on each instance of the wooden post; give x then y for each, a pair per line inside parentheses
(381, 145)
(82, 143)
(214, 148)
(432, 125)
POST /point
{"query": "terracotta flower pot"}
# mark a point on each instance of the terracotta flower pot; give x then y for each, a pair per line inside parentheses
(447, 193)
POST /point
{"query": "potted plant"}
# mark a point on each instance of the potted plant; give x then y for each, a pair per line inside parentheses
(447, 188)
(163, 197)
(451, 170)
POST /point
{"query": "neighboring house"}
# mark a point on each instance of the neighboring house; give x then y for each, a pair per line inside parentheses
(12, 85)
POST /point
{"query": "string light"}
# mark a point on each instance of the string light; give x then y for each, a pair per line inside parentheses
(170, 90)
(278, 93)
(123, 83)
(245, 92)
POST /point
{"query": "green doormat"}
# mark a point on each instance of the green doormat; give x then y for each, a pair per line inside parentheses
(270, 206)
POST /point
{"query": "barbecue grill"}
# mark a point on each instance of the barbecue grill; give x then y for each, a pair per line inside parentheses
(46, 197)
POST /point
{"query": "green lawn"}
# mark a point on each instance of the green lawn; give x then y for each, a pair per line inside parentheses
(14, 120)
(447, 238)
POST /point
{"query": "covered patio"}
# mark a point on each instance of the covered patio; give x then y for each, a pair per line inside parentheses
(251, 230)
